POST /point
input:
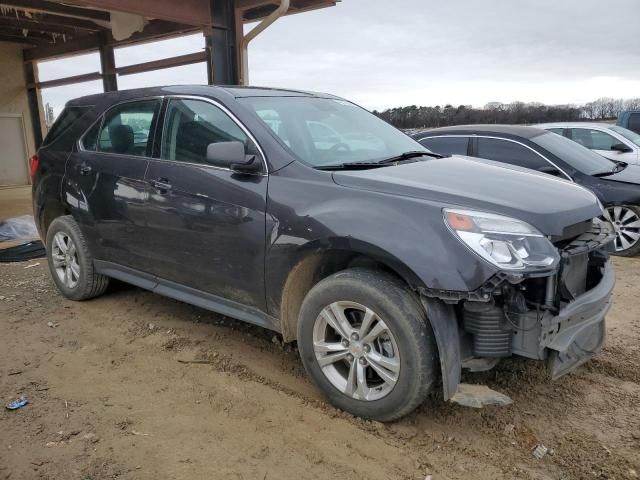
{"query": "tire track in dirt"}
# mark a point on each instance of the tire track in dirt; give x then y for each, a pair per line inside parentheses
(588, 419)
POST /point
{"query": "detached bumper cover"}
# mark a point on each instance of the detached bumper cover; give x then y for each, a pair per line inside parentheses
(577, 333)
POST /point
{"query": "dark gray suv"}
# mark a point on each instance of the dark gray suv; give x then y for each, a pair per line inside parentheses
(305, 214)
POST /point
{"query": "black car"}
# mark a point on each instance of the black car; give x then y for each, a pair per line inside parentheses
(305, 214)
(616, 184)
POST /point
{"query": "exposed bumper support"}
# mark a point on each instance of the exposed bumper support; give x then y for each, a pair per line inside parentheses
(580, 327)
(445, 328)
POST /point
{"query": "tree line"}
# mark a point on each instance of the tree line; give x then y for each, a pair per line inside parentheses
(510, 113)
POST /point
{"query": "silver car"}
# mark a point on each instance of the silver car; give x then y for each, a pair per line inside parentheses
(609, 140)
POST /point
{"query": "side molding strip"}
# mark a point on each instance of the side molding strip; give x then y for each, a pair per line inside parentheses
(186, 294)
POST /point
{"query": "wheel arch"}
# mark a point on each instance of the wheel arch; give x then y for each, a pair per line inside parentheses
(317, 260)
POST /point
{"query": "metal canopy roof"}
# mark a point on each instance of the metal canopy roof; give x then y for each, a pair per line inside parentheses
(50, 29)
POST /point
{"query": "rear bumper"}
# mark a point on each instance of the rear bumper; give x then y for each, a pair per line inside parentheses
(578, 331)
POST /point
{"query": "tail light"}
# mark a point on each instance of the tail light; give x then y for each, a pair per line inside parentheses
(33, 165)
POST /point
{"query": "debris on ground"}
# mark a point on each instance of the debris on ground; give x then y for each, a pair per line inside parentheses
(22, 227)
(22, 252)
(478, 396)
(540, 451)
(18, 403)
(31, 265)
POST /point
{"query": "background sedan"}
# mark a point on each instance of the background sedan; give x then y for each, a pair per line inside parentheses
(611, 141)
(616, 184)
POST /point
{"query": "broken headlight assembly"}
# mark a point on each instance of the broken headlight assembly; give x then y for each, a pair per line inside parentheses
(507, 243)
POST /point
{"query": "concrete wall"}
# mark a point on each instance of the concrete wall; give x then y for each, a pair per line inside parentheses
(13, 89)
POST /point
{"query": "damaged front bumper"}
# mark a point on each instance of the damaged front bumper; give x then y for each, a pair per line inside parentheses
(578, 331)
(558, 318)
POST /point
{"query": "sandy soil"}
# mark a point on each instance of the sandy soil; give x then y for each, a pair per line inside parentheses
(136, 386)
(15, 201)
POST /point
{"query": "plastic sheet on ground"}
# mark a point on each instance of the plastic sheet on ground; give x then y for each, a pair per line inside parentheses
(18, 228)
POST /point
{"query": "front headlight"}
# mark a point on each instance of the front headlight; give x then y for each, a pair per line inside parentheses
(505, 242)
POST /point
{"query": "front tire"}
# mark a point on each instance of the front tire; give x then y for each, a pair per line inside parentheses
(365, 340)
(70, 261)
(626, 222)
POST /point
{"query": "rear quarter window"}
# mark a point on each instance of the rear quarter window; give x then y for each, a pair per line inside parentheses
(67, 117)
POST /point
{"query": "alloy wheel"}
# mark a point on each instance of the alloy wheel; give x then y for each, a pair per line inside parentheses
(627, 227)
(356, 351)
(65, 259)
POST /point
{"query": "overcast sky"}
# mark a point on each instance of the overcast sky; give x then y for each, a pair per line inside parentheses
(382, 53)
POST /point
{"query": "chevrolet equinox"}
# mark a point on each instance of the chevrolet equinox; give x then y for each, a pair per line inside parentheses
(392, 268)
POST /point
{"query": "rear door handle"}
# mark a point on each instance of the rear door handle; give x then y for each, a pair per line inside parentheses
(161, 184)
(84, 169)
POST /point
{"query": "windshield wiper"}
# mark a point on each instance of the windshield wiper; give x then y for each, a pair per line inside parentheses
(617, 168)
(382, 163)
(410, 155)
(351, 166)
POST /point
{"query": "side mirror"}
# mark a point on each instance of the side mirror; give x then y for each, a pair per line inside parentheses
(621, 148)
(550, 170)
(231, 155)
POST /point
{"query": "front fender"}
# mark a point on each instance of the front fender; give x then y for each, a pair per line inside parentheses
(407, 234)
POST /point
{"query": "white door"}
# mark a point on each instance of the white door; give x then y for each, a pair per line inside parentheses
(13, 154)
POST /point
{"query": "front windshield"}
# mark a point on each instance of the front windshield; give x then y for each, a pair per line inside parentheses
(628, 134)
(574, 154)
(326, 131)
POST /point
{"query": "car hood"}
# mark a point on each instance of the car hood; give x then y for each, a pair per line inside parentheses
(546, 202)
(631, 174)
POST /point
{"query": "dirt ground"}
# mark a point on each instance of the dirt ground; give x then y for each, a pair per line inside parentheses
(136, 386)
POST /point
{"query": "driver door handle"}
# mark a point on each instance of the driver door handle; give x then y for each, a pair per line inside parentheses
(161, 184)
(84, 169)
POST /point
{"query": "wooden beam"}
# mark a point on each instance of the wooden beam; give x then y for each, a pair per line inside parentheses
(178, 61)
(32, 26)
(43, 6)
(58, 82)
(221, 47)
(297, 6)
(154, 30)
(34, 36)
(108, 68)
(190, 12)
(31, 78)
(75, 46)
(21, 39)
(53, 20)
(246, 4)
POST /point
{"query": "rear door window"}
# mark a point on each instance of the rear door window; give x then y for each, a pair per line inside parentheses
(128, 128)
(509, 152)
(446, 145)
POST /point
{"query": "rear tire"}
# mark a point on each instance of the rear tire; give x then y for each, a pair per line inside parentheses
(383, 376)
(70, 261)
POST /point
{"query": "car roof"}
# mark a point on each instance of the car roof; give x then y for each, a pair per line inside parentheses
(231, 91)
(509, 130)
(574, 124)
